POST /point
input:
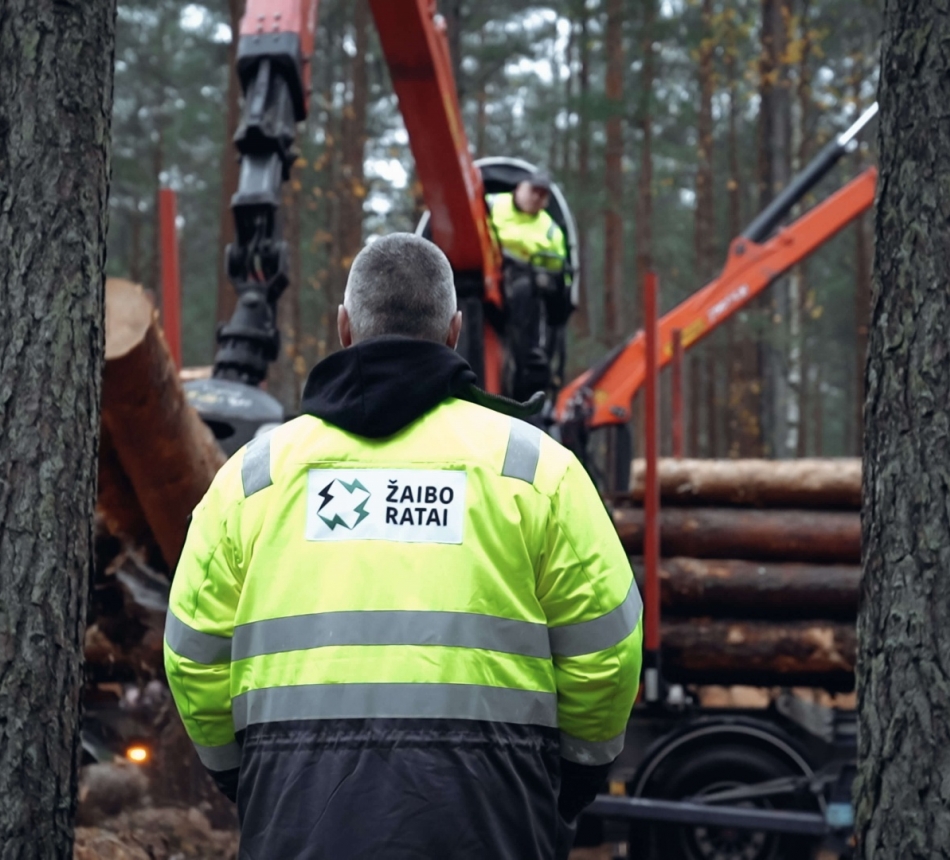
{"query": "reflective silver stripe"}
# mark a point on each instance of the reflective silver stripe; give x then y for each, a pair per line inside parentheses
(185, 641)
(551, 230)
(590, 752)
(394, 627)
(394, 701)
(588, 637)
(255, 470)
(524, 448)
(226, 757)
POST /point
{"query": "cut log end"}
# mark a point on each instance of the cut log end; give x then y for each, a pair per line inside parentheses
(129, 313)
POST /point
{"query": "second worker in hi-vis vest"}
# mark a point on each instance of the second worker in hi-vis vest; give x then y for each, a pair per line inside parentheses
(403, 625)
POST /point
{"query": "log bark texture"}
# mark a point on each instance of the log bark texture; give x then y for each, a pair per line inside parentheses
(806, 483)
(118, 508)
(902, 795)
(168, 453)
(813, 536)
(729, 588)
(56, 65)
(759, 653)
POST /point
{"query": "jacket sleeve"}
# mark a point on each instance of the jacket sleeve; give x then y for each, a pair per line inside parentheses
(593, 608)
(198, 629)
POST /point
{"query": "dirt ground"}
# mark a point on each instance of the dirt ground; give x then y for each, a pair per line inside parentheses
(155, 834)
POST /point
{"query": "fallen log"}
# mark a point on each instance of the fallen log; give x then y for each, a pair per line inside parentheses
(118, 508)
(731, 588)
(806, 483)
(816, 536)
(168, 453)
(757, 653)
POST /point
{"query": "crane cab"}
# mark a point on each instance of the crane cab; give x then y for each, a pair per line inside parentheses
(484, 321)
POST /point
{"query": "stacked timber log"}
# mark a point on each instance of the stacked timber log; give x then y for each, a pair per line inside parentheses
(156, 460)
(759, 571)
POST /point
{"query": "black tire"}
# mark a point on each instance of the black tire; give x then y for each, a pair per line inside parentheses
(692, 772)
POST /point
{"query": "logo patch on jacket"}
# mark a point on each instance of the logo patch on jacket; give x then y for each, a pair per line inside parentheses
(402, 505)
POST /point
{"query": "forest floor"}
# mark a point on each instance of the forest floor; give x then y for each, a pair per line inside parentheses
(155, 834)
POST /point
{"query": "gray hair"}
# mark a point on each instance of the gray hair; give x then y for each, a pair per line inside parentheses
(400, 284)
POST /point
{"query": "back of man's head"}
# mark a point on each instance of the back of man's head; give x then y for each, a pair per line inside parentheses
(400, 284)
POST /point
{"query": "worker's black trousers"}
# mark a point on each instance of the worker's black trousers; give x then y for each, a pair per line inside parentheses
(528, 367)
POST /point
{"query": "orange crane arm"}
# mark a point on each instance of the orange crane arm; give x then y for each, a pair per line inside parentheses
(607, 389)
(414, 43)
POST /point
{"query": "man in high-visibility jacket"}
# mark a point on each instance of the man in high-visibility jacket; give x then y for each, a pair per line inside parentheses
(403, 625)
(537, 295)
(524, 228)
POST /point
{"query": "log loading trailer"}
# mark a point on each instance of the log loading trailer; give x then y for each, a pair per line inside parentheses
(693, 783)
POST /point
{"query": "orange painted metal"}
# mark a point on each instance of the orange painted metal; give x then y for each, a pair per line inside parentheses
(171, 275)
(414, 42)
(263, 17)
(749, 269)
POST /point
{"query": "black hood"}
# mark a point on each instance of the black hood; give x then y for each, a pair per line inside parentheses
(379, 386)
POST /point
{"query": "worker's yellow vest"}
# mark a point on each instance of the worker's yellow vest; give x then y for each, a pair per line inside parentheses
(464, 568)
(522, 235)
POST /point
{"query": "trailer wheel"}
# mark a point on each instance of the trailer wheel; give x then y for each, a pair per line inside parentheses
(696, 771)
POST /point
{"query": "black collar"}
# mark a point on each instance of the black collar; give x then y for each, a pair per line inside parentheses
(378, 387)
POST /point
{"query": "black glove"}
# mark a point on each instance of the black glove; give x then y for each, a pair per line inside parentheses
(580, 784)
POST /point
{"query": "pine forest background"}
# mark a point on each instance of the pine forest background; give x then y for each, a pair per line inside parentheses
(668, 123)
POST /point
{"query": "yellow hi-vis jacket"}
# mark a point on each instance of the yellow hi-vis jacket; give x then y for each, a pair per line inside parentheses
(339, 596)
(523, 235)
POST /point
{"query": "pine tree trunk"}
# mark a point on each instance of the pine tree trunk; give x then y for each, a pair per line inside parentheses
(862, 289)
(227, 298)
(733, 370)
(351, 187)
(582, 316)
(798, 280)
(704, 234)
(645, 121)
(613, 175)
(774, 175)
(903, 630)
(56, 64)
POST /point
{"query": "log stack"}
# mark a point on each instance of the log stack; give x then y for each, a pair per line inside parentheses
(760, 569)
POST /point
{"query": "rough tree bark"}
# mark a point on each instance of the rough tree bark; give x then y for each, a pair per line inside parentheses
(903, 674)
(832, 537)
(733, 588)
(56, 63)
(799, 483)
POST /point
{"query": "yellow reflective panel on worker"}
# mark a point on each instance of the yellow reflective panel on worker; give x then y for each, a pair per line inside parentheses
(524, 235)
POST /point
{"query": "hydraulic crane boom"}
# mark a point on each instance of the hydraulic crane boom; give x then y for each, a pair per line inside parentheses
(413, 39)
(414, 43)
(602, 395)
(273, 65)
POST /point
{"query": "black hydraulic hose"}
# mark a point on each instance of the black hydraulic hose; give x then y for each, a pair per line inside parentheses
(769, 218)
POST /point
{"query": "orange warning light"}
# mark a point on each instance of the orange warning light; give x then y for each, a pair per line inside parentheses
(138, 753)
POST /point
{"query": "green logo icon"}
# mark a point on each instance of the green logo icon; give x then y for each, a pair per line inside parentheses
(343, 504)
